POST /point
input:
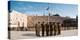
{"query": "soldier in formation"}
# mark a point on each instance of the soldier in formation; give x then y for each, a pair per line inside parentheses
(43, 28)
(37, 27)
(59, 30)
(47, 29)
(50, 28)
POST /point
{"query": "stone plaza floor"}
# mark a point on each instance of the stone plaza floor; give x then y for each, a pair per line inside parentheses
(31, 34)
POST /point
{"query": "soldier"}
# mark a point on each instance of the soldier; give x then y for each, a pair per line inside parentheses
(42, 25)
(37, 27)
(53, 23)
(55, 29)
(47, 29)
(51, 28)
(59, 30)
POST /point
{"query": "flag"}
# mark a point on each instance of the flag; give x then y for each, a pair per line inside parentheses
(47, 8)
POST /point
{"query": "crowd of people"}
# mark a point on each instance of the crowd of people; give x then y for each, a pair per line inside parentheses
(47, 29)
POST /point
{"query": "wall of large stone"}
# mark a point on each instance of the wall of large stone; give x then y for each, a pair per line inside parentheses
(32, 20)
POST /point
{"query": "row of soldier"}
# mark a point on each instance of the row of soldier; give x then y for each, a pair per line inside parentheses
(50, 28)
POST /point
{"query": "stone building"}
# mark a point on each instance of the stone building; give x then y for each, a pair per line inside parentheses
(17, 20)
(32, 20)
(22, 21)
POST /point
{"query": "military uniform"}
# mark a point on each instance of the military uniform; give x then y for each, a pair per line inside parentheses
(37, 27)
(59, 30)
(43, 28)
(55, 27)
(47, 29)
(51, 29)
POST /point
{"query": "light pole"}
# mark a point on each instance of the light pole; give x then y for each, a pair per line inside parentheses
(48, 12)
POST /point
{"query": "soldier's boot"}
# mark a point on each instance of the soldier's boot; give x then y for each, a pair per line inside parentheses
(59, 32)
(51, 33)
(39, 34)
(54, 32)
(42, 33)
(47, 33)
(36, 33)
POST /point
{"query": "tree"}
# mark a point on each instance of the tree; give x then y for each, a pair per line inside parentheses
(56, 15)
(77, 21)
(76, 17)
(67, 17)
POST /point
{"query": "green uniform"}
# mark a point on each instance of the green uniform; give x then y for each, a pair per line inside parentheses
(51, 29)
(47, 29)
(59, 30)
(54, 29)
(43, 29)
(37, 27)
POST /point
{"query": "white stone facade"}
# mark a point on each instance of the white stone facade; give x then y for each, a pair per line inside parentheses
(16, 17)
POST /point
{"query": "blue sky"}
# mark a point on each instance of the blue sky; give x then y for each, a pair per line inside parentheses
(33, 8)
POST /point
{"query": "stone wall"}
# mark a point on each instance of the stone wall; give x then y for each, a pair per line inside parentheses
(32, 20)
